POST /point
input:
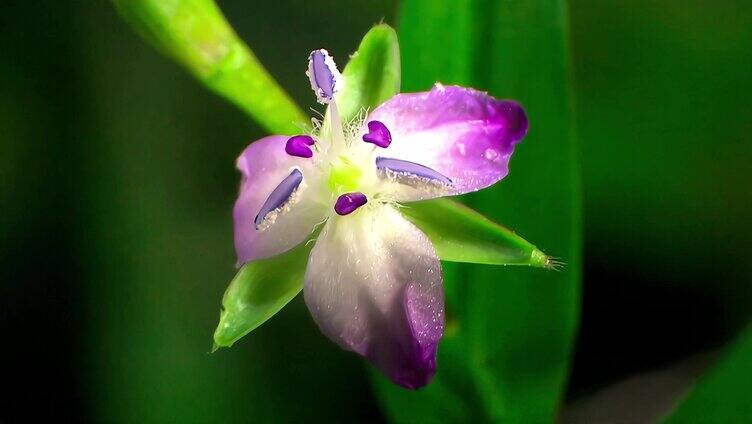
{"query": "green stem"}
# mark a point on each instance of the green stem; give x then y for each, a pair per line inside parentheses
(196, 34)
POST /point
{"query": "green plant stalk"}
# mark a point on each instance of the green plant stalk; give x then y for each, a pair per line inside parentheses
(196, 34)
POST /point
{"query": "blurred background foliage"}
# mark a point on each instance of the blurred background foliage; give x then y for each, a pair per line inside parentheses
(118, 179)
(510, 331)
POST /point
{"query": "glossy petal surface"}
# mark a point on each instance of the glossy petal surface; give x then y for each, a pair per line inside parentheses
(373, 285)
(464, 134)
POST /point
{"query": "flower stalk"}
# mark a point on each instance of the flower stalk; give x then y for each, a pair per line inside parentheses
(197, 35)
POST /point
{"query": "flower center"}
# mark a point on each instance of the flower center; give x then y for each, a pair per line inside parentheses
(344, 175)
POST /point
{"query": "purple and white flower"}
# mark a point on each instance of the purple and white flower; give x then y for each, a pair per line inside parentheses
(373, 281)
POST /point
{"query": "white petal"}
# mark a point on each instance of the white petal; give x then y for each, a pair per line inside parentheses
(373, 285)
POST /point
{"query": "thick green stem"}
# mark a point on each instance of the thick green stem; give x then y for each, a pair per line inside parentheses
(197, 35)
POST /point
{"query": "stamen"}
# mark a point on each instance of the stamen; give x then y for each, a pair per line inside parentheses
(298, 145)
(279, 196)
(323, 74)
(337, 133)
(411, 169)
(349, 202)
(378, 134)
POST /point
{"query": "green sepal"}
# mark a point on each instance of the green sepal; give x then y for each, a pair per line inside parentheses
(259, 290)
(372, 75)
(460, 234)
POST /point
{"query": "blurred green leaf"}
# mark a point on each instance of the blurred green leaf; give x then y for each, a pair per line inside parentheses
(461, 234)
(259, 290)
(510, 331)
(721, 396)
(195, 34)
(439, 42)
(373, 73)
(528, 343)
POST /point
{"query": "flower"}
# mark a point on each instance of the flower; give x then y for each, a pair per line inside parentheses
(373, 280)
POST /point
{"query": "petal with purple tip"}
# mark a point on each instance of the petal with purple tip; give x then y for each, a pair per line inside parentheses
(280, 191)
(373, 285)
(461, 133)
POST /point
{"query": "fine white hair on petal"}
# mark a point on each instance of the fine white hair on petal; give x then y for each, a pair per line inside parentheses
(271, 217)
(325, 78)
(356, 127)
(401, 185)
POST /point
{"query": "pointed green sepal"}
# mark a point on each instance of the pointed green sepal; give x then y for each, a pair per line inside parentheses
(372, 75)
(259, 290)
(461, 234)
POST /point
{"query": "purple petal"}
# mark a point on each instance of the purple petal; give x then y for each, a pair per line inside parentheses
(422, 317)
(265, 166)
(463, 134)
(373, 285)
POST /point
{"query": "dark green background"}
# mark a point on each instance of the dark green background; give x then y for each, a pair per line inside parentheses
(118, 180)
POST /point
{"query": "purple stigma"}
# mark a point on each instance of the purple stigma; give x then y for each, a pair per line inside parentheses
(378, 134)
(298, 145)
(279, 196)
(412, 169)
(348, 202)
(323, 74)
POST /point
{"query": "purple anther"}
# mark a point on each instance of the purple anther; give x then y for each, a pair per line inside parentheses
(279, 196)
(348, 202)
(323, 73)
(410, 168)
(378, 134)
(298, 145)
